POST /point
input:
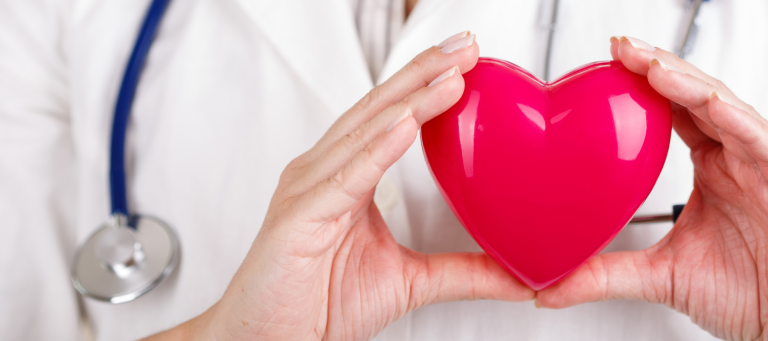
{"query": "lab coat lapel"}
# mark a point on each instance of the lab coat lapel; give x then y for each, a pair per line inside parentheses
(319, 41)
(506, 29)
(422, 29)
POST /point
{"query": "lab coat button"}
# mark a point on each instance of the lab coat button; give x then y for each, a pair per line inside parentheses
(386, 194)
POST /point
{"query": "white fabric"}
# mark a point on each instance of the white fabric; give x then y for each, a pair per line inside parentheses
(233, 90)
(378, 24)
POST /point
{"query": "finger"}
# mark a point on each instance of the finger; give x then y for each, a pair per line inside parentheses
(417, 74)
(423, 104)
(696, 95)
(686, 128)
(750, 130)
(637, 56)
(615, 48)
(450, 277)
(675, 79)
(745, 127)
(686, 90)
(336, 195)
(635, 275)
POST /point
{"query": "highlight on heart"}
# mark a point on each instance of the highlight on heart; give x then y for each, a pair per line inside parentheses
(544, 175)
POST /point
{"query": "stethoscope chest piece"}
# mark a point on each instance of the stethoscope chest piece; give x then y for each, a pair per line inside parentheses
(125, 258)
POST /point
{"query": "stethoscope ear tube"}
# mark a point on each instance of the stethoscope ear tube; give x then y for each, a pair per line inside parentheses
(688, 38)
(684, 48)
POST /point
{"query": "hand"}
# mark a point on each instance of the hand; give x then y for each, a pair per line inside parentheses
(324, 265)
(713, 265)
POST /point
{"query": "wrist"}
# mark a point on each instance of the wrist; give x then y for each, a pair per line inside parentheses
(198, 328)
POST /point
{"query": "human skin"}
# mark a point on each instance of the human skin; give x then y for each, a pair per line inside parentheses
(409, 5)
(713, 264)
(324, 265)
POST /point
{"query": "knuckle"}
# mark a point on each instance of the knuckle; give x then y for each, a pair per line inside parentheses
(293, 172)
(710, 83)
(750, 109)
(370, 100)
(295, 163)
(676, 60)
(406, 102)
(416, 65)
(291, 169)
(356, 137)
(338, 182)
(279, 206)
(285, 178)
(762, 128)
(367, 155)
(719, 84)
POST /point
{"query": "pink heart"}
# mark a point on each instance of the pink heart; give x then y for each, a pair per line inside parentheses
(544, 175)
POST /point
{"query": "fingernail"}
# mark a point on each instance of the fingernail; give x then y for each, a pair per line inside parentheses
(458, 44)
(638, 44)
(402, 117)
(453, 38)
(716, 95)
(665, 66)
(614, 38)
(536, 302)
(443, 76)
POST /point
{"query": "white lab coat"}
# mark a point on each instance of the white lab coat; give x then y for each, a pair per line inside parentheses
(232, 91)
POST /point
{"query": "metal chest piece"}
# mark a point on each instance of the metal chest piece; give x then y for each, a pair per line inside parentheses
(124, 259)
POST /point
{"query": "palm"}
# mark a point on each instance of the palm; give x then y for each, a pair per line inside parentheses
(713, 265)
(369, 280)
(343, 282)
(357, 286)
(324, 264)
(712, 250)
(350, 285)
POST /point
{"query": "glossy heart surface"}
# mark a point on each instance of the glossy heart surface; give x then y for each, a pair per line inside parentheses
(544, 175)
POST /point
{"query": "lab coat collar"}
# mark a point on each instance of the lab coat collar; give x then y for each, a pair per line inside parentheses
(318, 39)
(425, 27)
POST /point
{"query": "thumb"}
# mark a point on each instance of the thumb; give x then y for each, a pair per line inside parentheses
(634, 275)
(447, 277)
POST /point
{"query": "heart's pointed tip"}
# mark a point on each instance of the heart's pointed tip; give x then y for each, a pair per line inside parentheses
(537, 286)
(530, 282)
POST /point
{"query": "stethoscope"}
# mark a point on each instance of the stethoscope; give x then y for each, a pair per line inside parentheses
(131, 253)
(684, 46)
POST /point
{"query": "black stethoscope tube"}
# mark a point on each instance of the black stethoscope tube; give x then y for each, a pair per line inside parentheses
(676, 210)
